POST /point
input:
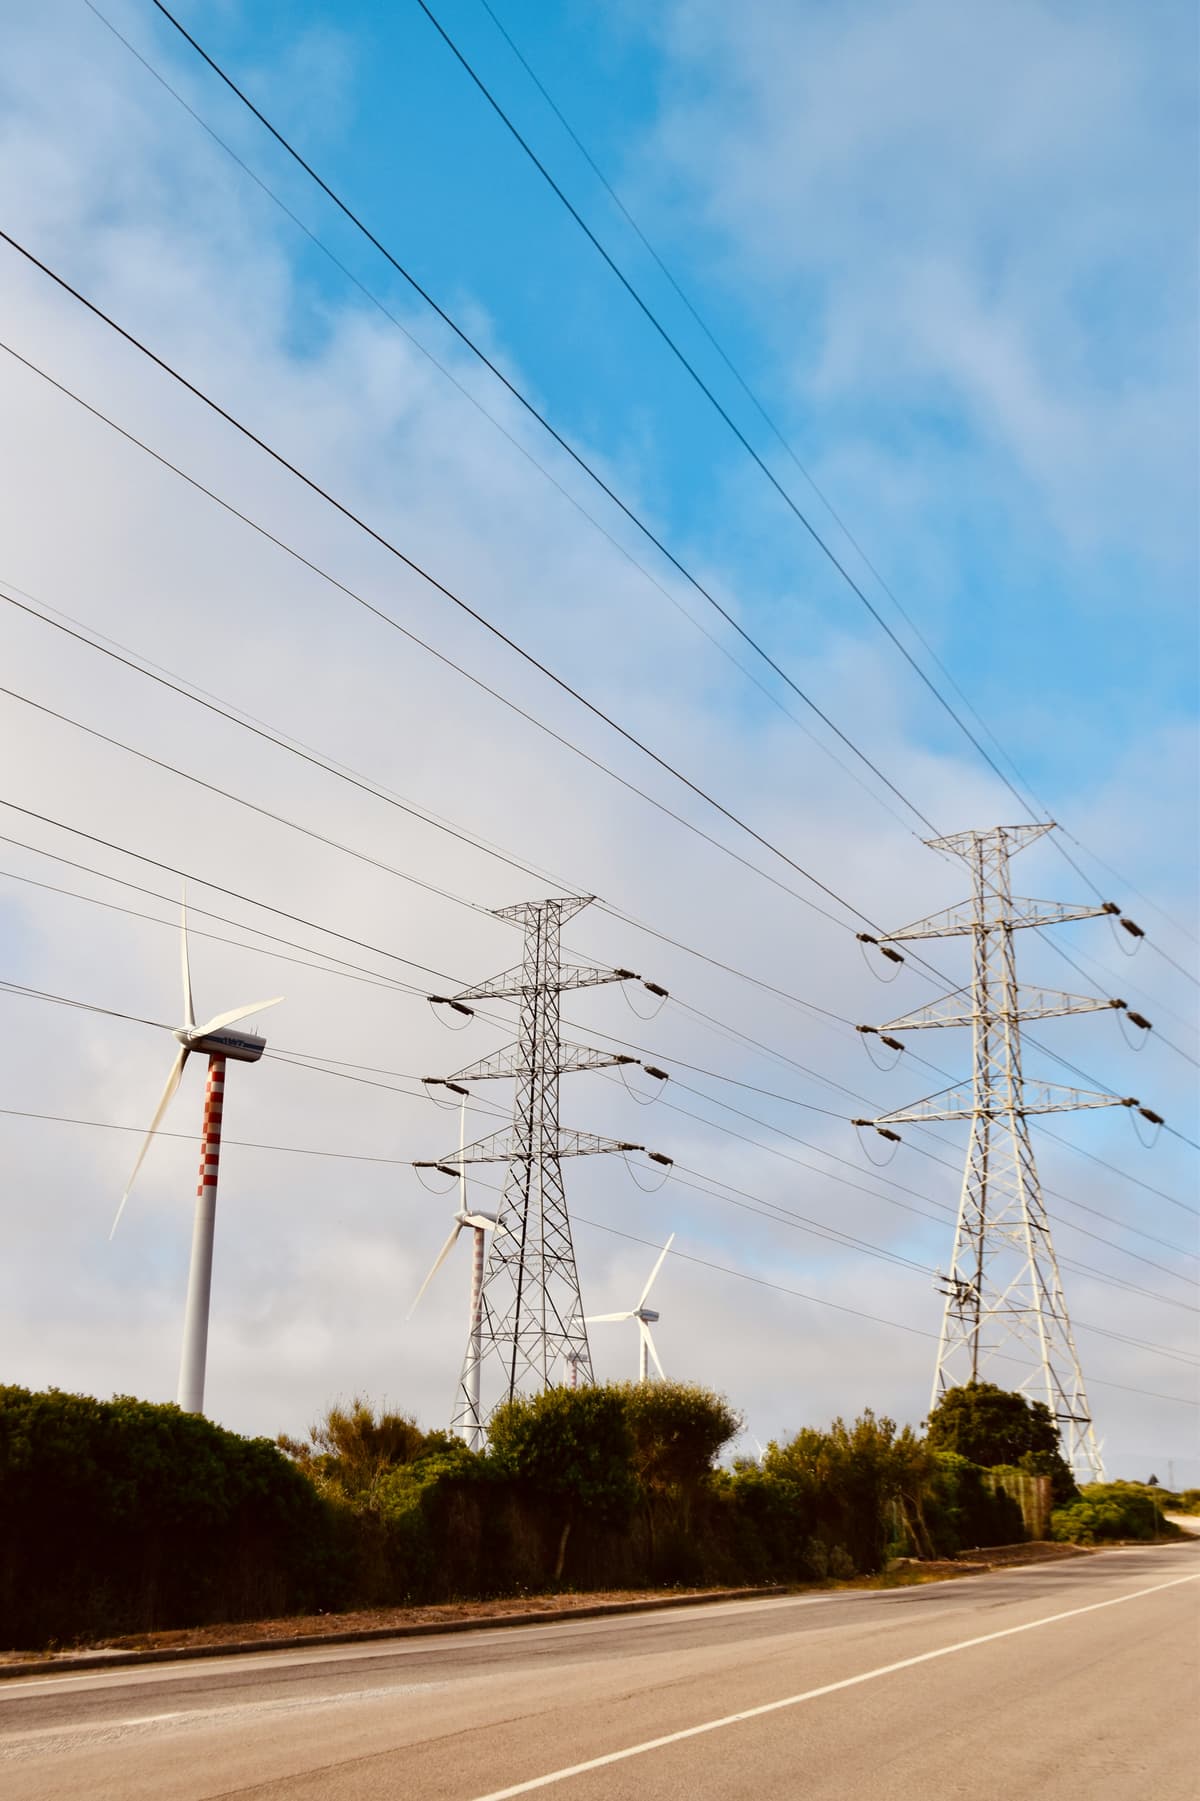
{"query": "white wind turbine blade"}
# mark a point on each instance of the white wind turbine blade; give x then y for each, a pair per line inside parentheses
(441, 1258)
(189, 1012)
(603, 1319)
(234, 1014)
(648, 1341)
(653, 1273)
(164, 1102)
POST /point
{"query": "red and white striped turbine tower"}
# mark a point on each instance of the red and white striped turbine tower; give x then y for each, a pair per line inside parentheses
(219, 1043)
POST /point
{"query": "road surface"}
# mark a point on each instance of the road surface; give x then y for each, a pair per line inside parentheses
(1078, 1679)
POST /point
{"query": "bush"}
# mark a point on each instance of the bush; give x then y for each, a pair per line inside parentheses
(573, 1448)
(840, 1498)
(348, 1453)
(964, 1510)
(120, 1516)
(1110, 1510)
(990, 1425)
(677, 1430)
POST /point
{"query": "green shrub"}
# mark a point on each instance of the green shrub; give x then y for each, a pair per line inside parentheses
(990, 1425)
(963, 1511)
(120, 1516)
(348, 1453)
(571, 1448)
(852, 1489)
(1110, 1510)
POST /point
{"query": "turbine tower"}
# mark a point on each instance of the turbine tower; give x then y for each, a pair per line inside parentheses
(1004, 1295)
(219, 1043)
(482, 1224)
(531, 1314)
(645, 1317)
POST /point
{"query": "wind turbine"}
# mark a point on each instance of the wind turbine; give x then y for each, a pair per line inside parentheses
(482, 1223)
(219, 1043)
(645, 1317)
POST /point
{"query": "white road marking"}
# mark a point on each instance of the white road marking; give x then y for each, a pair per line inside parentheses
(813, 1694)
(49, 1740)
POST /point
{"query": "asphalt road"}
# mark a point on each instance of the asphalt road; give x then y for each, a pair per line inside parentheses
(1072, 1680)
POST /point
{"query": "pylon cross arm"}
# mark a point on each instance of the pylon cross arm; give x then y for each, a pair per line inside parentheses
(1032, 1003)
(961, 920)
(962, 1103)
(514, 984)
(508, 1147)
(559, 911)
(510, 1062)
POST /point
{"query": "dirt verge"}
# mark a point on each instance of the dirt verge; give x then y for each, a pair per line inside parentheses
(306, 1630)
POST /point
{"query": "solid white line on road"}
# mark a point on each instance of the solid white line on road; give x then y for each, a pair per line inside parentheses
(813, 1694)
(81, 1733)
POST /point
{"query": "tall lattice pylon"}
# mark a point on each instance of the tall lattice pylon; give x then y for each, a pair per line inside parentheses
(528, 1323)
(1004, 1295)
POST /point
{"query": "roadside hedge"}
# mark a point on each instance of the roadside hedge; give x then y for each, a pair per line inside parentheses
(120, 1516)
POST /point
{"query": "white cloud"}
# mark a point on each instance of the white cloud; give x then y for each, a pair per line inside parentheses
(971, 211)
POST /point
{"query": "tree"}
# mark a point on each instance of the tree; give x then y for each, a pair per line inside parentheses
(678, 1428)
(852, 1486)
(573, 1447)
(990, 1425)
(348, 1453)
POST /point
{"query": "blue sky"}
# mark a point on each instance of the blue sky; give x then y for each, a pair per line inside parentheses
(1063, 240)
(956, 260)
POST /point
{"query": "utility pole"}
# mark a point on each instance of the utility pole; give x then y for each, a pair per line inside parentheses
(529, 1320)
(1004, 1295)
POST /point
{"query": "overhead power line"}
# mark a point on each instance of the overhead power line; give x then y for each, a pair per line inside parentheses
(357, 972)
(314, 758)
(474, 401)
(387, 619)
(656, 323)
(527, 404)
(340, 1069)
(385, 543)
(226, 710)
(947, 1209)
(723, 1269)
(1029, 801)
(358, 223)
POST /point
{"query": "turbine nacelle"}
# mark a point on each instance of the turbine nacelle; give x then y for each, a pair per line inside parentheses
(214, 1039)
(243, 1047)
(483, 1222)
(463, 1217)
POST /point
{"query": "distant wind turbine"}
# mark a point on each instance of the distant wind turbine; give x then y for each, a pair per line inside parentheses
(219, 1043)
(645, 1317)
(482, 1224)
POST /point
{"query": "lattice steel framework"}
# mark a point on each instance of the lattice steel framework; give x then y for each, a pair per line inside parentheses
(1003, 1292)
(531, 1317)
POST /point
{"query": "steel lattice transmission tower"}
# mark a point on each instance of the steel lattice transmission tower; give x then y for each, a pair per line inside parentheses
(1003, 1293)
(527, 1320)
